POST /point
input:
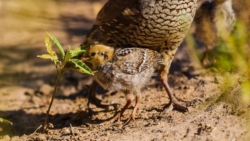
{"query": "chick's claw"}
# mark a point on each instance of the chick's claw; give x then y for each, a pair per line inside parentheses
(118, 115)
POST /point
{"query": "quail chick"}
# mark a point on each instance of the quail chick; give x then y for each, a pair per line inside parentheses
(127, 70)
(214, 20)
(159, 25)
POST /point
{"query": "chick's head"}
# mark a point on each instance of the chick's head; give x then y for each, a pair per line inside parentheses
(99, 54)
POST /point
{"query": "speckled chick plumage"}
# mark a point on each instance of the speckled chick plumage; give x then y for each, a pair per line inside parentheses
(128, 70)
(125, 69)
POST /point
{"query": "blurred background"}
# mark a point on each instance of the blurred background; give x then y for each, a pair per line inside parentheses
(23, 24)
(23, 27)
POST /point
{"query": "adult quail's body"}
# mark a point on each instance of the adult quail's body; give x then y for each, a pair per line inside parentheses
(214, 21)
(127, 70)
(159, 25)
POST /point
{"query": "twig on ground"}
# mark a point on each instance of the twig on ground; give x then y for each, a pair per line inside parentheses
(38, 128)
(72, 131)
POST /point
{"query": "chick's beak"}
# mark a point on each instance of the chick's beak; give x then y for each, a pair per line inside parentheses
(85, 59)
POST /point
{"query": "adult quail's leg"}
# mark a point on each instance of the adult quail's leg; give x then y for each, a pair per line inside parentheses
(92, 98)
(137, 102)
(174, 103)
(205, 57)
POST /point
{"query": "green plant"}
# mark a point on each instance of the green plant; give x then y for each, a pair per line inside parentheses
(5, 121)
(232, 62)
(238, 51)
(61, 64)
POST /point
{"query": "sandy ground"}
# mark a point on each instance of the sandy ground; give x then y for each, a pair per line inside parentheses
(26, 85)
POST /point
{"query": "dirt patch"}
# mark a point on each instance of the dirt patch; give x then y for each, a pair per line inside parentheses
(27, 83)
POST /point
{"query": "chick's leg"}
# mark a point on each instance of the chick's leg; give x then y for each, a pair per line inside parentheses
(137, 102)
(119, 114)
(163, 74)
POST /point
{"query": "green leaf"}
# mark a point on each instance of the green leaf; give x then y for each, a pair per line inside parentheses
(80, 66)
(84, 47)
(77, 51)
(73, 53)
(68, 55)
(49, 46)
(57, 44)
(5, 121)
(54, 57)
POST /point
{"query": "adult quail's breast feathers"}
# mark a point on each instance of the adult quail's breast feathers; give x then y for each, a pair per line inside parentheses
(113, 9)
(115, 19)
(154, 24)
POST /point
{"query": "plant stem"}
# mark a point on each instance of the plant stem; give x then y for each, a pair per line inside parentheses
(52, 99)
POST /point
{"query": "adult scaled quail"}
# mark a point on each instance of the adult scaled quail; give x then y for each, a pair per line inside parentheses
(159, 25)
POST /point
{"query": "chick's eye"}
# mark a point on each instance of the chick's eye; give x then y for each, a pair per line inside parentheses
(105, 56)
(92, 54)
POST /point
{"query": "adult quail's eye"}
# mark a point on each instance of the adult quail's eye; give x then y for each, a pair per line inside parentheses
(92, 54)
